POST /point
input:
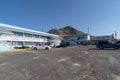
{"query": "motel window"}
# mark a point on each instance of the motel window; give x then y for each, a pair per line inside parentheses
(18, 33)
(78, 38)
(7, 35)
(14, 43)
(44, 38)
(20, 43)
(28, 35)
(36, 36)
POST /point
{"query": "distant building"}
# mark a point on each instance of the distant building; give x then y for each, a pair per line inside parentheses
(95, 39)
(77, 38)
(12, 36)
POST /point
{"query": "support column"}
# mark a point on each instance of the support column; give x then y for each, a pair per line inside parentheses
(11, 42)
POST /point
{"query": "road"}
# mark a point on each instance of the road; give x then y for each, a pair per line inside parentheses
(70, 63)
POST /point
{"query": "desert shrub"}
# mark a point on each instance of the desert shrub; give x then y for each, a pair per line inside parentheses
(16, 47)
(25, 47)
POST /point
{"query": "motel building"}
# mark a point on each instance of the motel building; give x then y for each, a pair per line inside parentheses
(13, 36)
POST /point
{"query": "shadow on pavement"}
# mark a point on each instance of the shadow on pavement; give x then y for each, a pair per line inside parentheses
(103, 49)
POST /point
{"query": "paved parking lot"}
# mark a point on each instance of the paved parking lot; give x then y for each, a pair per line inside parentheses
(70, 63)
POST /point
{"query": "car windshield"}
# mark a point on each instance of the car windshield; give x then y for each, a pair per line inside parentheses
(112, 42)
(106, 42)
(38, 45)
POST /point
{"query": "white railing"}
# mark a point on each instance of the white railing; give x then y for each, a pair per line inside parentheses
(5, 43)
(29, 39)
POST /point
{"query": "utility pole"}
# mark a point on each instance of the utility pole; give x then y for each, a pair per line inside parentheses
(42, 29)
(115, 35)
(88, 29)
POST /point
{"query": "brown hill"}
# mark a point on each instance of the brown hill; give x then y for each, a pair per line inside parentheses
(68, 30)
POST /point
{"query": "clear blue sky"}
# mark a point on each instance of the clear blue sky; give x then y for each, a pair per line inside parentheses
(101, 16)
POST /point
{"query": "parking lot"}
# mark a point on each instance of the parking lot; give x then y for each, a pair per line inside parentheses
(70, 63)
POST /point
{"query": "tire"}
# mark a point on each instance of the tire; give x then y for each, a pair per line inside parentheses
(34, 48)
(116, 47)
(46, 48)
(101, 48)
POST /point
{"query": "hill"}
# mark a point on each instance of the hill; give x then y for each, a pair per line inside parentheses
(68, 30)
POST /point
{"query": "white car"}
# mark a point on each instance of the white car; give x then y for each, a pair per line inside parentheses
(40, 46)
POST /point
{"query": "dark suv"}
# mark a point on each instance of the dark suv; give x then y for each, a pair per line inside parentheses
(107, 44)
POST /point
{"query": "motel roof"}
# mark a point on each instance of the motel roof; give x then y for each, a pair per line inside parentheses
(7, 28)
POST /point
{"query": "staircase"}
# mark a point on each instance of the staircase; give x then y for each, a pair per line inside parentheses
(3, 47)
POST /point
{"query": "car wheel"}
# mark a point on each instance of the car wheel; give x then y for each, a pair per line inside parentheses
(35, 48)
(47, 48)
(116, 47)
(101, 47)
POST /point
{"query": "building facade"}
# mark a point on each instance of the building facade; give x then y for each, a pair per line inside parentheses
(12, 36)
(77, 38)
(96, 39)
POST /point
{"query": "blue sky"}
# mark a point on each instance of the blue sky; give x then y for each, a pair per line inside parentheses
(101, 16)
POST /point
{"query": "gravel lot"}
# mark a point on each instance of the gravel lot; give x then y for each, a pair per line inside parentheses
(70, 63)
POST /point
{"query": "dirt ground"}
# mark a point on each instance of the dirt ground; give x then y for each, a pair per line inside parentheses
(70, 63)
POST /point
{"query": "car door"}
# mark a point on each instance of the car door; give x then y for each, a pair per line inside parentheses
(39, 46)
(105, 44)
(111, 45)
(42, 46)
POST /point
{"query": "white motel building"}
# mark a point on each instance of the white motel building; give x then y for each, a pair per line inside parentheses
(13, 36)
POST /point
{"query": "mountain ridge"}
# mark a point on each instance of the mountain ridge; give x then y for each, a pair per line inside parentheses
(67, 30)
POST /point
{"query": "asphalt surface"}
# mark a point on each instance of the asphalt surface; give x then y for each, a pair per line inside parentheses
(70, 63)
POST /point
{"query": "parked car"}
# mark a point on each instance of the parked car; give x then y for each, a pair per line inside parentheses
(40, 46)
(107, 44)
(61, 45)
(118, 43)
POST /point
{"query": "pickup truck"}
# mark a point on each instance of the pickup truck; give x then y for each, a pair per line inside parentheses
(40, 46)
(107, 44)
